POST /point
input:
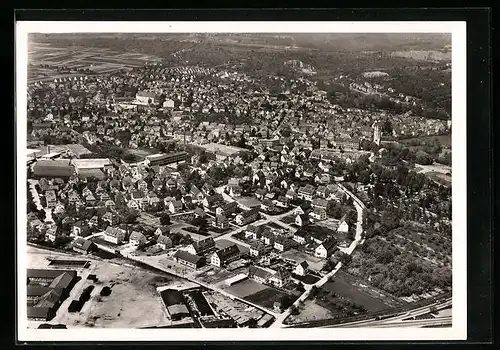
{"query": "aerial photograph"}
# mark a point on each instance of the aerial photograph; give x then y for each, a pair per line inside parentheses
(238, 180)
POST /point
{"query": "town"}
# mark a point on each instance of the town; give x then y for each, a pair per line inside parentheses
(247, 200)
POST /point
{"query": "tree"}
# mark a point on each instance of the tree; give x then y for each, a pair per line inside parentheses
(285, 302)
(165, 219)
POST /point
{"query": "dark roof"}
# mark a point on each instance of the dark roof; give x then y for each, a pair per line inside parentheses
(249, 213)
(38, 312)
(258, 271)
(86, 173)
(63, 280)
(60, 168)
(183, 255)
(304, 264)
(81, 243)
(48, 274)
(329, 244)
(227, 252)
(172, 297)
(204, 244)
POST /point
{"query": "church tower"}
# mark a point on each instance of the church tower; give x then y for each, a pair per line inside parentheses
(376, 133)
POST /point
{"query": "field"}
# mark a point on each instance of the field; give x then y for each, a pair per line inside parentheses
(344, 289)
(148, 220)
(266, 297)
(245, 288)
(96, 60)
(309, 311)
(424, 55)
(133, 301)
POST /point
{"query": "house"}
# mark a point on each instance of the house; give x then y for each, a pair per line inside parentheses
(247, 217)
(79, 229)
(325, 249)
(188, 259)
(306, 192)
(51, 199)
(301, 220)
(235, 191)
(140, 197)
(257, 248)
(213, 200)
(282, 201)
(83, 246)
(196, 194)
(322, 192)
(318, 214)
(268, 237)
(199, 213)
(259, 274)
(301, 269)
(114, 235)
(227, 209)
(110, 218)
(320, 203)
(343, 225)
(162, 230)
(267, 205)
(94, 221)
(90, 199)
(282, 243)
(279, 278)
(175, 206)
(220, 222)
(134, 205)
(164, 242)
(51, 234)
(300, 236)
(224, 256)
(260, 193)
(201, 247)
(137, 238)
(253, 232)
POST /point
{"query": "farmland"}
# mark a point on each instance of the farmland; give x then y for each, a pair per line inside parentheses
(266, 297)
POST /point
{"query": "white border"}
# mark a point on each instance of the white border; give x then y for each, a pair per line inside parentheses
(459, 244)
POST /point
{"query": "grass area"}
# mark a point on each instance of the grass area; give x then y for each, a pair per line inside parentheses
(444, 140)
(309, 311)
(266, 297)
(288, 219)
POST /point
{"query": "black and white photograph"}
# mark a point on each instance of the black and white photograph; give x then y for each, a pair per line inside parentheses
(241, 180)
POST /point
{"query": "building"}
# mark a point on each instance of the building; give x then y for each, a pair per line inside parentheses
(46, 290)
(320, 203)
(282, 243)
(258, 248)
(253, 231)
(220, 222)
(147, 98)
(343, 225)
(188, 259)
(175, 303)
(201, 247)
(50, 198)
(83, 246)
(300, 236)
(164, 242)
(301, 220)
(227, 209)
(325, 249)
(247, 217)
(165, 159)
(318, 214)
(162, 231)
(306, 192)
(51, 169)
(137, 238)
(114, 235)
(224, 256)
(280, 277)
(259, 274)
(301, 269)
(175, 206)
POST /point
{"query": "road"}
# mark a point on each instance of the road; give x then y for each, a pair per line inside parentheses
(358, 240)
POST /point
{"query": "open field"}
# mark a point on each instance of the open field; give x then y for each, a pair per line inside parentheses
(444, 140)
(245, 288)
(133, 301)
(309, 311)
(344, 289)
(424, 55)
